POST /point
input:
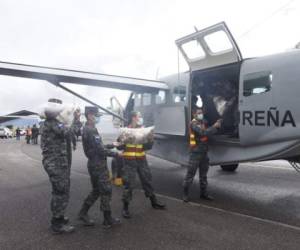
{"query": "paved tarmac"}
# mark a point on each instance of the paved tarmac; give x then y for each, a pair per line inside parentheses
(258, 207)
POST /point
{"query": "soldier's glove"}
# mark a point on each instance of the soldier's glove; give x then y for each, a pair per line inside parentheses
(114, 154)
(74, 147)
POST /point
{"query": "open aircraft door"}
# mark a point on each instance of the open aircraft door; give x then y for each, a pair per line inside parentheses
(209, 48)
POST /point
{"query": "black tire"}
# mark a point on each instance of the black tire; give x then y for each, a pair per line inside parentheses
(229, 168)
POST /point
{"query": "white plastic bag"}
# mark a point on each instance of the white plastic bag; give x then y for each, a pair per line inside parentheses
(63, 113)
(66, 116)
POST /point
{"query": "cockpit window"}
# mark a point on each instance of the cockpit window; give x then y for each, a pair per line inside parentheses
(138, 100)
(257, 83)
(146, 99)
(160, 98)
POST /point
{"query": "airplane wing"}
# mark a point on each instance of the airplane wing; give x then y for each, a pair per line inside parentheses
(59, 75)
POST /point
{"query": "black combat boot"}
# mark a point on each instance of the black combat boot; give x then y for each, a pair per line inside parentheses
(84, 217)
(65, 219)
(58, 226)
(125, 212)
(109, 221)
(156, 204)
(204, 195)
(185, 197)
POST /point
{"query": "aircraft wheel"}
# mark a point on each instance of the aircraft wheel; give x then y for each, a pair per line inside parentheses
(229, 168)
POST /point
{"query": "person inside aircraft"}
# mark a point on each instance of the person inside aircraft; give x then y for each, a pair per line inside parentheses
(194, 103)
(230, 111)
(219, 97)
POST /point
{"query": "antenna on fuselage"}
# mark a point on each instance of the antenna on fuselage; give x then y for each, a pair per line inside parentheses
(157, 73)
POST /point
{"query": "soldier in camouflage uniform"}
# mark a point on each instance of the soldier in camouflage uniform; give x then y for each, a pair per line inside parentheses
(76, 124)
(135, 162)
(97, 154)
(199, 134)
(55, 162)
(71, 143)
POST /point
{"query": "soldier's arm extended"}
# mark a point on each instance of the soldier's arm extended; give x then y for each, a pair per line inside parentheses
(109, 146)
(104, 149)
(93, 145)
(120, 146)
(203, 132)
(88, 144)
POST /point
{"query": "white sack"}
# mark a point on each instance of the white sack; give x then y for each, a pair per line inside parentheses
(135, 135)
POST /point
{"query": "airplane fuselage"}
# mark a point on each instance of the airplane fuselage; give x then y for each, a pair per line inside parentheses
(268, 122)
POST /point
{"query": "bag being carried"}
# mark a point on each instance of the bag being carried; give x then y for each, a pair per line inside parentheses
(63, 113)
(136, 135)
(66, 115)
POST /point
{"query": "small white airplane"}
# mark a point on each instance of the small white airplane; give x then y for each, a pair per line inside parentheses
(257, 98)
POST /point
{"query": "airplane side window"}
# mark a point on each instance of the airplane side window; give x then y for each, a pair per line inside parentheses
(257, 83)
(146, 99)
(138, 100)
(160, 98)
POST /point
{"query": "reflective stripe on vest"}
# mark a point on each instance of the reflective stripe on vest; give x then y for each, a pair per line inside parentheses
(193, 142)
(134, 151)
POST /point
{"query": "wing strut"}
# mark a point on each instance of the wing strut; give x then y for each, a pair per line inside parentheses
(58, 84)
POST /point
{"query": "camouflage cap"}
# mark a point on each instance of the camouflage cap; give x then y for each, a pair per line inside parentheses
(134, 113)
(91, 110)
(54, 100)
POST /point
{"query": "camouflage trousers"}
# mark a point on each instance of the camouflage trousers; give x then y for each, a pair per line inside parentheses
(131, 167)
(58, 171)
(101, 185)
(69, 152)
(197, 161)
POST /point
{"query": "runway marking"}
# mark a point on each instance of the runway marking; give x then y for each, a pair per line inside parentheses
(265, 166)
(231, 212)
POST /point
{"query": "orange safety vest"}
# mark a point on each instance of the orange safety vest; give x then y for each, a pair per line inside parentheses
(193, 142)
(134, 151)
(28, 132)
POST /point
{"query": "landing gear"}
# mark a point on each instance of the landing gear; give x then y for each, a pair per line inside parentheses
(229, 168)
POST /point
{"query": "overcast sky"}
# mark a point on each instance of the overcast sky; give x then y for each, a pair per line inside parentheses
(131, 38)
